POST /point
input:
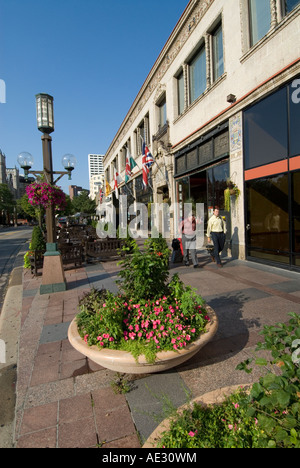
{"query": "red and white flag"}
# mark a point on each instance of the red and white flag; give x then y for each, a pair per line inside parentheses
(117, 181)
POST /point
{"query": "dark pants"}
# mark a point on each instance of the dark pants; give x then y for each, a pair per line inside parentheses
(218, 239)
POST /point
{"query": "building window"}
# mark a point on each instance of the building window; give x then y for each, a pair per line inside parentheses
(260, 19)
(265, 131)
(180, 93)
(217, 52)
(197, 74)
(162, 112)
(289, 5)
(294, 118)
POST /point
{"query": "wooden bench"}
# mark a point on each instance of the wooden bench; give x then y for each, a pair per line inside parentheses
(36, 261)
(103, 249)
(70, 254)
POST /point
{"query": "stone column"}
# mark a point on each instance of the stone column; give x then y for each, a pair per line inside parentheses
(236, 175)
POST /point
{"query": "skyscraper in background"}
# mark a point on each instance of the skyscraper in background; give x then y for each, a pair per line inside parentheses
(96, 173)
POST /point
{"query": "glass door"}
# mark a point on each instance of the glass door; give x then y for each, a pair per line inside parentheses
(268, 220)
(296, 218)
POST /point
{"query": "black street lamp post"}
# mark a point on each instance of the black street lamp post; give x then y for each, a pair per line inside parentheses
(53, 274)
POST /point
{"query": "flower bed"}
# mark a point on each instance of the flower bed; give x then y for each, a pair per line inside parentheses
(265, 416)
(149, 315)
(167, 323)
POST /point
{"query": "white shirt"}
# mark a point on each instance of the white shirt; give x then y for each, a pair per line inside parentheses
(216, 224)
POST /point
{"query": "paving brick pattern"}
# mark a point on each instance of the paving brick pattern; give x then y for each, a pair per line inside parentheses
(64, 400)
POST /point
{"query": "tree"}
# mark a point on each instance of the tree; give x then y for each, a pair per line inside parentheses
(84, 204)
(7, 202)
(33, 212)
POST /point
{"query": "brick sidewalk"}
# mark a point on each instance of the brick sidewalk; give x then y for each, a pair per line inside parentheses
(65, 400)
(61, 395)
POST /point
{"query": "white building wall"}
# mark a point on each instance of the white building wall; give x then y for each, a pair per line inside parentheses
(247, 74)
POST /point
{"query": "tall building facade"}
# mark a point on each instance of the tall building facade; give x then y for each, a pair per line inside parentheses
(96, 173)
(222, 104)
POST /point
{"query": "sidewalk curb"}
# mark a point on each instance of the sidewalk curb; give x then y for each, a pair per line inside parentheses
(10, 325)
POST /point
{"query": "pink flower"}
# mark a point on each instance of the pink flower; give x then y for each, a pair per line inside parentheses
(230, 426)
(192, 434)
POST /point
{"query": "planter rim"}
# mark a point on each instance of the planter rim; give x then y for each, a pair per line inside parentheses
(112, 358)
(214, 397)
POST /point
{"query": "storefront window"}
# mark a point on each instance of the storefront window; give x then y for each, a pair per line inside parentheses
(206, 186)
(265, 131)
(296, 217)
(268, 225)
(294, 107)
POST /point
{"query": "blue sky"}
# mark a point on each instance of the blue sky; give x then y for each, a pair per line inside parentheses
(92, 56)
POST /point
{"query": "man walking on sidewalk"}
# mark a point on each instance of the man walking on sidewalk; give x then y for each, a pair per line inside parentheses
(216, 230)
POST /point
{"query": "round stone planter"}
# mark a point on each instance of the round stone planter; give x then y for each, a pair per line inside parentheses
(211, 398)
(123, 361)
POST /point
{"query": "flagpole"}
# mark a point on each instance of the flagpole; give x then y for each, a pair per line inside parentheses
(164, 176)
(148, 179)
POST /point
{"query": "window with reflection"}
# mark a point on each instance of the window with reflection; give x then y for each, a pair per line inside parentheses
(217, 47)
(289, 5)
(294, 117)
(268, 226)
(296, 217)
(265, 130)
(180, 93)
(197, 74)
(260, 19)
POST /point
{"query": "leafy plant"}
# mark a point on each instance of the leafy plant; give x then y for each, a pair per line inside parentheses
(225, 425)
(144, 273)
(37, 239)
(149, 315)
(264, 416)
(120, 385)
(232, 189)
(27, 256)
(276, 397)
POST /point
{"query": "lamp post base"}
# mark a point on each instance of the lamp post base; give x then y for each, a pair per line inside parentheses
(53, 273)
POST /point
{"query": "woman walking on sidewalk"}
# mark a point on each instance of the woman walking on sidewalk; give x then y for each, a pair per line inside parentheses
(216, 230)
(188, 230)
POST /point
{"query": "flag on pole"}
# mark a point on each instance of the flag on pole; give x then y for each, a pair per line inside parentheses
(107, 189)
(100, 195)
(145, 168)
(130, 164)
(117, 181)
(148, 155)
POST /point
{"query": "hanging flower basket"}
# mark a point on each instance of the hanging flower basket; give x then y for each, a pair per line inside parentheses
(232, 190)
(45, 195)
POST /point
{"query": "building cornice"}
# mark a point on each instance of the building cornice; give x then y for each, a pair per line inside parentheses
(187, 23)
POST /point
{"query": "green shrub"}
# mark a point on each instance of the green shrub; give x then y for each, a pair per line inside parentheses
(37, 239)
(266, 416)
(149, 314)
